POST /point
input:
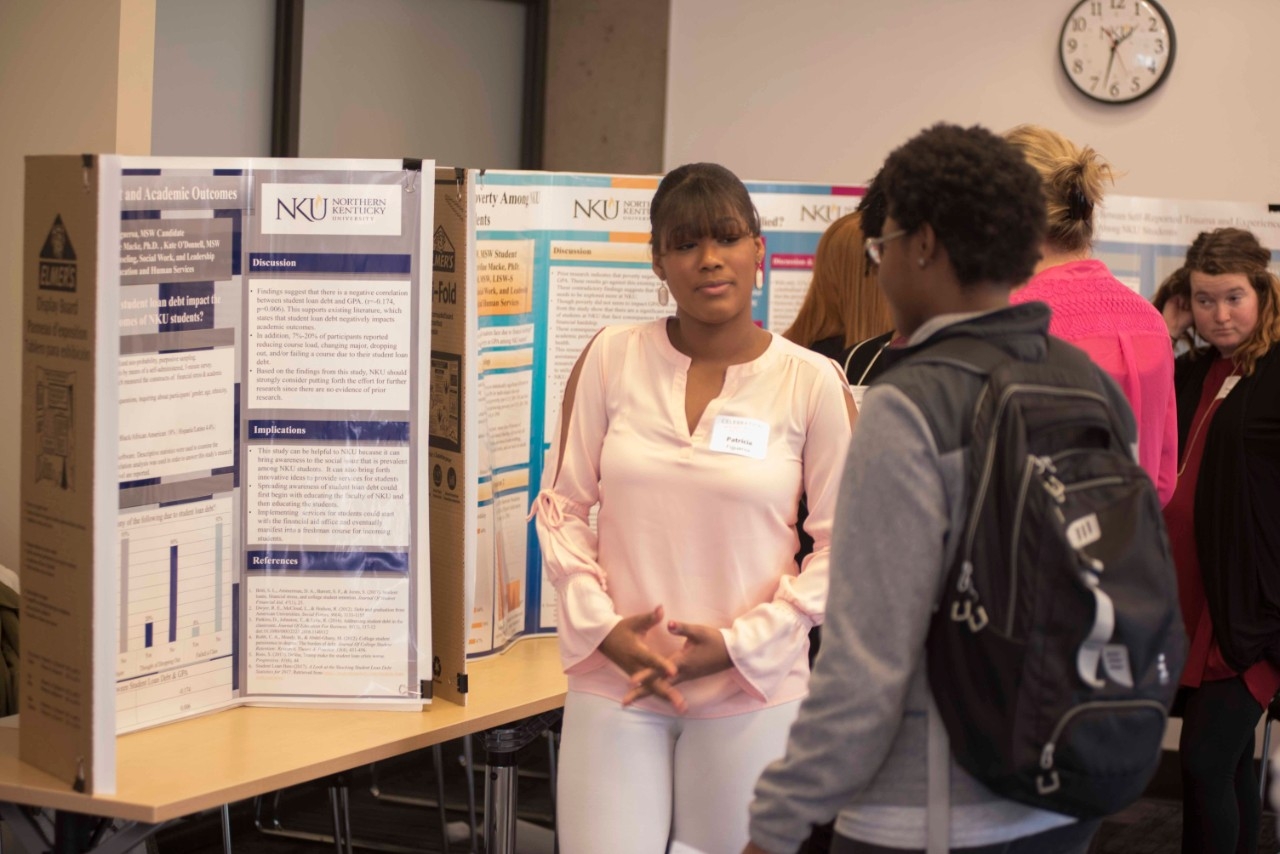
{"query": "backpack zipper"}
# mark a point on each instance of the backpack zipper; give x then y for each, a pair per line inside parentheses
(989, 461)
(972, 611)
(1032, 465)
(1047, 781)
(1058, 491)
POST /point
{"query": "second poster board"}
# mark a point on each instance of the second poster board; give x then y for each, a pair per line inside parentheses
(530, 265)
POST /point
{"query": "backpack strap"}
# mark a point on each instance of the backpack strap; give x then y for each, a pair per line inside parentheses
(946, 404)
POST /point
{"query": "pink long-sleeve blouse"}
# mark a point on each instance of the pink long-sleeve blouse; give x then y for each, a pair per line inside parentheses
(703, 523)
(1127, 338)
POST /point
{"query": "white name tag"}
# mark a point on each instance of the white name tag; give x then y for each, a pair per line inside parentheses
(746, 437)
(1227, 384)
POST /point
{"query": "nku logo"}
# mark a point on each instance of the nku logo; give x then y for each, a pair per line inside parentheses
(319, 209)
(607, 209)
(612, 208)
(311, 209)
(825, 213)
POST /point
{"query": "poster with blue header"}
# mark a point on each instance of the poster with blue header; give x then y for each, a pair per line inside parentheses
(270, 520)
(556, 257)
(258, 346)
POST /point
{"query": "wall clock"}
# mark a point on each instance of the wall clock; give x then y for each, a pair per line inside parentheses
(1117, 51)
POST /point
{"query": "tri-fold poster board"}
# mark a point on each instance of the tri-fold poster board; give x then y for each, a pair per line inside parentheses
(283, 420)
(224, 434)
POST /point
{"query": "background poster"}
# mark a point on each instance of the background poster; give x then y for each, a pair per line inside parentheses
(558, 256)
(1143, 240)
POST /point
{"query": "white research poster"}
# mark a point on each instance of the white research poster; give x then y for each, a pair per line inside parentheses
(271, 527)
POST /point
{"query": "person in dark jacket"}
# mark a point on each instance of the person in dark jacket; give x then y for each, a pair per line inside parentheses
(964, 226)
(1224, 534)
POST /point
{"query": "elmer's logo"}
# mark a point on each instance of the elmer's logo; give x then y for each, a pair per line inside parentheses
(57, 260)
(606, 209)
(443, 256)
(311, 209)
(825, 213)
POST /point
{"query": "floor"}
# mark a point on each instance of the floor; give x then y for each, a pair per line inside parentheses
(1151, 826)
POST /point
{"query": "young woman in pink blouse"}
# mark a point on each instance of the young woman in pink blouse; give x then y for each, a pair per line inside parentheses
(683, 616)
(1122, 332)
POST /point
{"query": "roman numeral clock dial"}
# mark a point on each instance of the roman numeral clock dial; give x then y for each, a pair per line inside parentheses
(1117, 51)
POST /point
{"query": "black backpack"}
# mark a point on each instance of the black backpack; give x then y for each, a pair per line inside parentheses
(1057, 644)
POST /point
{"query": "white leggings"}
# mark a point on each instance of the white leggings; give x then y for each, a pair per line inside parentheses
(631, 780)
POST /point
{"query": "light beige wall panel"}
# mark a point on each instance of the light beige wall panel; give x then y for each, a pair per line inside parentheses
(65, 88)
(606, 85)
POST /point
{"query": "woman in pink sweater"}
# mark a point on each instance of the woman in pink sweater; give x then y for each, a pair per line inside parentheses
(683, 615)
(1123, 333)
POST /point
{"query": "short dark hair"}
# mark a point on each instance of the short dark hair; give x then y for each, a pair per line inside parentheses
(873, 207)
(978, 193)
(699, 200)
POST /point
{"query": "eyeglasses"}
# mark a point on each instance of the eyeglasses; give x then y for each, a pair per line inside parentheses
(872, 244)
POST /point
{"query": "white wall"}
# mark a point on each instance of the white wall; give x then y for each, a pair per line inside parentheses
(413, 78)
(213, 77)
(75, 77)
(822, 90)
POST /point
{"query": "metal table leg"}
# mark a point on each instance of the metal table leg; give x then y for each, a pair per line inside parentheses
(501, 745)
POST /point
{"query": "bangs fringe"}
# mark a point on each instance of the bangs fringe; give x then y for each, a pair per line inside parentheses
(701, 211)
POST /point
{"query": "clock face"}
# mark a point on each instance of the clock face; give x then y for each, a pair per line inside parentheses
(1116, 51)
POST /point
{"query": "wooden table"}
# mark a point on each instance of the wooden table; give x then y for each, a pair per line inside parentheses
(185, 767)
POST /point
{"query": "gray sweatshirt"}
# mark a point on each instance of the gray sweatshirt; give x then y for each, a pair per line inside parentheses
(858, 747)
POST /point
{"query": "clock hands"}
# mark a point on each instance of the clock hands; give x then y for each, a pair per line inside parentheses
(1111, 58)
(1128, 32)
(1115, 44)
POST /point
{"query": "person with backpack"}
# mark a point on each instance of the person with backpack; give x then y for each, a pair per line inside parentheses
(1225, 534)
(965, 222)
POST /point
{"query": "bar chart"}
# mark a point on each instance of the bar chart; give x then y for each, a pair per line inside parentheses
(176, 607)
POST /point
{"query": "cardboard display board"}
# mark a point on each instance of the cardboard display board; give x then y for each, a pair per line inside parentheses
(224, 439)
(68, 487)
(452, 427)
